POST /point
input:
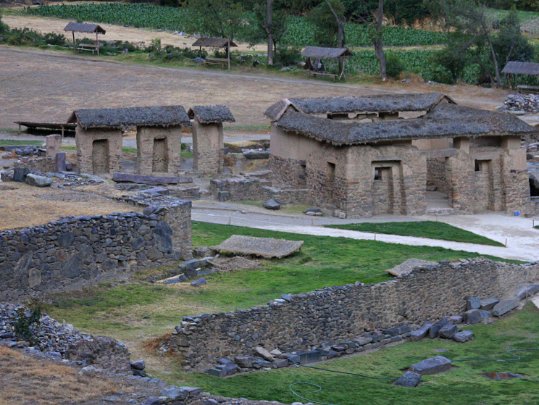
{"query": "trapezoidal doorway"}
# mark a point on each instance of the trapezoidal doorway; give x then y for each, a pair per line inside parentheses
(100, 156)
(160, 155)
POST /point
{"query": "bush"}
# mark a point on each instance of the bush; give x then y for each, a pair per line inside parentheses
(439, 74)
(394, 66)
(471, 74)
(26, 323)
(288, 56)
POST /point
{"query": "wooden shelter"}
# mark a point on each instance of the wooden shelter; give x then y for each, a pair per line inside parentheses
(86, 29)
(316, 54)
(514, 68)
(217, 43)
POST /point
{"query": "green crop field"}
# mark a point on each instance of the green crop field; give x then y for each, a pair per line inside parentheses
(300, 32)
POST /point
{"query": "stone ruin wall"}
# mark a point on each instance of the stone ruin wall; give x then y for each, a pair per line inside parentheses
(85, 149)
(208, 148)
(158, 150)
(338, 313)
(74, 252)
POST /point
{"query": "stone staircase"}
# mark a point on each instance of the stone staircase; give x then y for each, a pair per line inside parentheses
(438, 204)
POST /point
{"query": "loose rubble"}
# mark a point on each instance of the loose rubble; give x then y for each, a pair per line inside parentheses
(521, 103)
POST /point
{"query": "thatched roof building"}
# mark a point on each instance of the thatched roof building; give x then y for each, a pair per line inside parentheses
(115, 118)
(211, 114)
(521, 68)
(445, 121)
(365, 104)
(84, 27)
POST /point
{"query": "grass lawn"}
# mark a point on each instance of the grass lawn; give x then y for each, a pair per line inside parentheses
(421, 229)
(16, 142)
(138, 311)
(509, 345)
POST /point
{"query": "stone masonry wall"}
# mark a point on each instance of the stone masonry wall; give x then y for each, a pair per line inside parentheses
(78, 251)
(85, 149)
(437, 175)
(158, 150)
(289, 173)
(208, 148)
(337, 313)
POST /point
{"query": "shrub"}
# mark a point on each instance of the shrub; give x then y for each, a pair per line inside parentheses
(471, 73)
(394, 66)
(26, 322)
(438, 73)
(288, 56)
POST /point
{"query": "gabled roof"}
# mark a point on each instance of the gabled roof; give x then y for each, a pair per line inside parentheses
(84, 27)
(163, 116)
(446, 120)
(211, 114)
(364, 104)
(213, 42)
(319, 52)
(521, 68)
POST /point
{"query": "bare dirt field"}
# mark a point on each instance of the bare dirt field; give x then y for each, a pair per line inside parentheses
(26, 380)
(114, 32)
(22, 205)
(41, 85)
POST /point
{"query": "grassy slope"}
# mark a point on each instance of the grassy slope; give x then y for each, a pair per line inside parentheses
(509, 345)
(422, 229)
(141, 310)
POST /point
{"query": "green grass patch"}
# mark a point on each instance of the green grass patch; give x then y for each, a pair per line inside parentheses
(17, 142)
(139, 310)
(509, 345)
(421, 229)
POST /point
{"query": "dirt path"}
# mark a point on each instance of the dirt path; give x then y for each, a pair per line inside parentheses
(44, 85)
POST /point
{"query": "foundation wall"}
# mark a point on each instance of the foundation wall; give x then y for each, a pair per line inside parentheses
(79, 251)
(338, 313)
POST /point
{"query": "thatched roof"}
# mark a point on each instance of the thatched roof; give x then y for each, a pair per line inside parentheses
(164, 116)
(213, 43)
(84, 27)
(365, 104)
(521, 68)
(446, 120)
(211, 114)
(319, 52)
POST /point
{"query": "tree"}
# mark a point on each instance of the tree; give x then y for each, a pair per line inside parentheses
(329, 20)
(378, 41)
(271, 18)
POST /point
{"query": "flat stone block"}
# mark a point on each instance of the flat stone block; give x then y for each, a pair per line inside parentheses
(433, 365)
(409, 379)
(505, 306)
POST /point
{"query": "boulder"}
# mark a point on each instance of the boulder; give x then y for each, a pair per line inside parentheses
(488, 303)
(409, 379)
(272, 204)
(397, 330)
(527, 291)
(433, 365)
(280, 363)
(448, 331)
(505, 306)
(435, 329)
(38, 181)
(199, 282)
(138, 365)
(245, 361)
(455, 319)
(463, 336)
(224, 370)
(314, 212)
(20, 173)
(421, 332)
(473, 303)
(180, 393)
(474, 316)
(265, 354)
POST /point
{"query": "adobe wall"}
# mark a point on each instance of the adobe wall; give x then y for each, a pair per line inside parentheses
(208, 148)
(85, 139)
(75, 252)
(338, 313)
(158, 150)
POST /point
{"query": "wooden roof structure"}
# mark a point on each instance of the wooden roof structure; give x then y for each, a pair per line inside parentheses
(85, 27)
(521, 68)
(318, 52)
(212, 42)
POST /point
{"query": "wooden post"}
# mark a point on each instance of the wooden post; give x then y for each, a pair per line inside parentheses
(74, 45)
(228, 52)
(97, 42)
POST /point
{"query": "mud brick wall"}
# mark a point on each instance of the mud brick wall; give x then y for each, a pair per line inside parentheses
(74, 252)
(338, 313)
(437, 174)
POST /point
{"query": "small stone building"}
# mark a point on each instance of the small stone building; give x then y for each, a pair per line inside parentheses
(405, 154)
(99, 138)
(208, 139)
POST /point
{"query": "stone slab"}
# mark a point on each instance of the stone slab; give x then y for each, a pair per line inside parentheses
(505, 306)
(408, 266)
(433, 365)
(262, 247)
(409, 379)
(151, 180)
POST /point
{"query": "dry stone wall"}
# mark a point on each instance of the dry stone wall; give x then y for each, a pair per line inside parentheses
(337, 313)
(78, 251)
